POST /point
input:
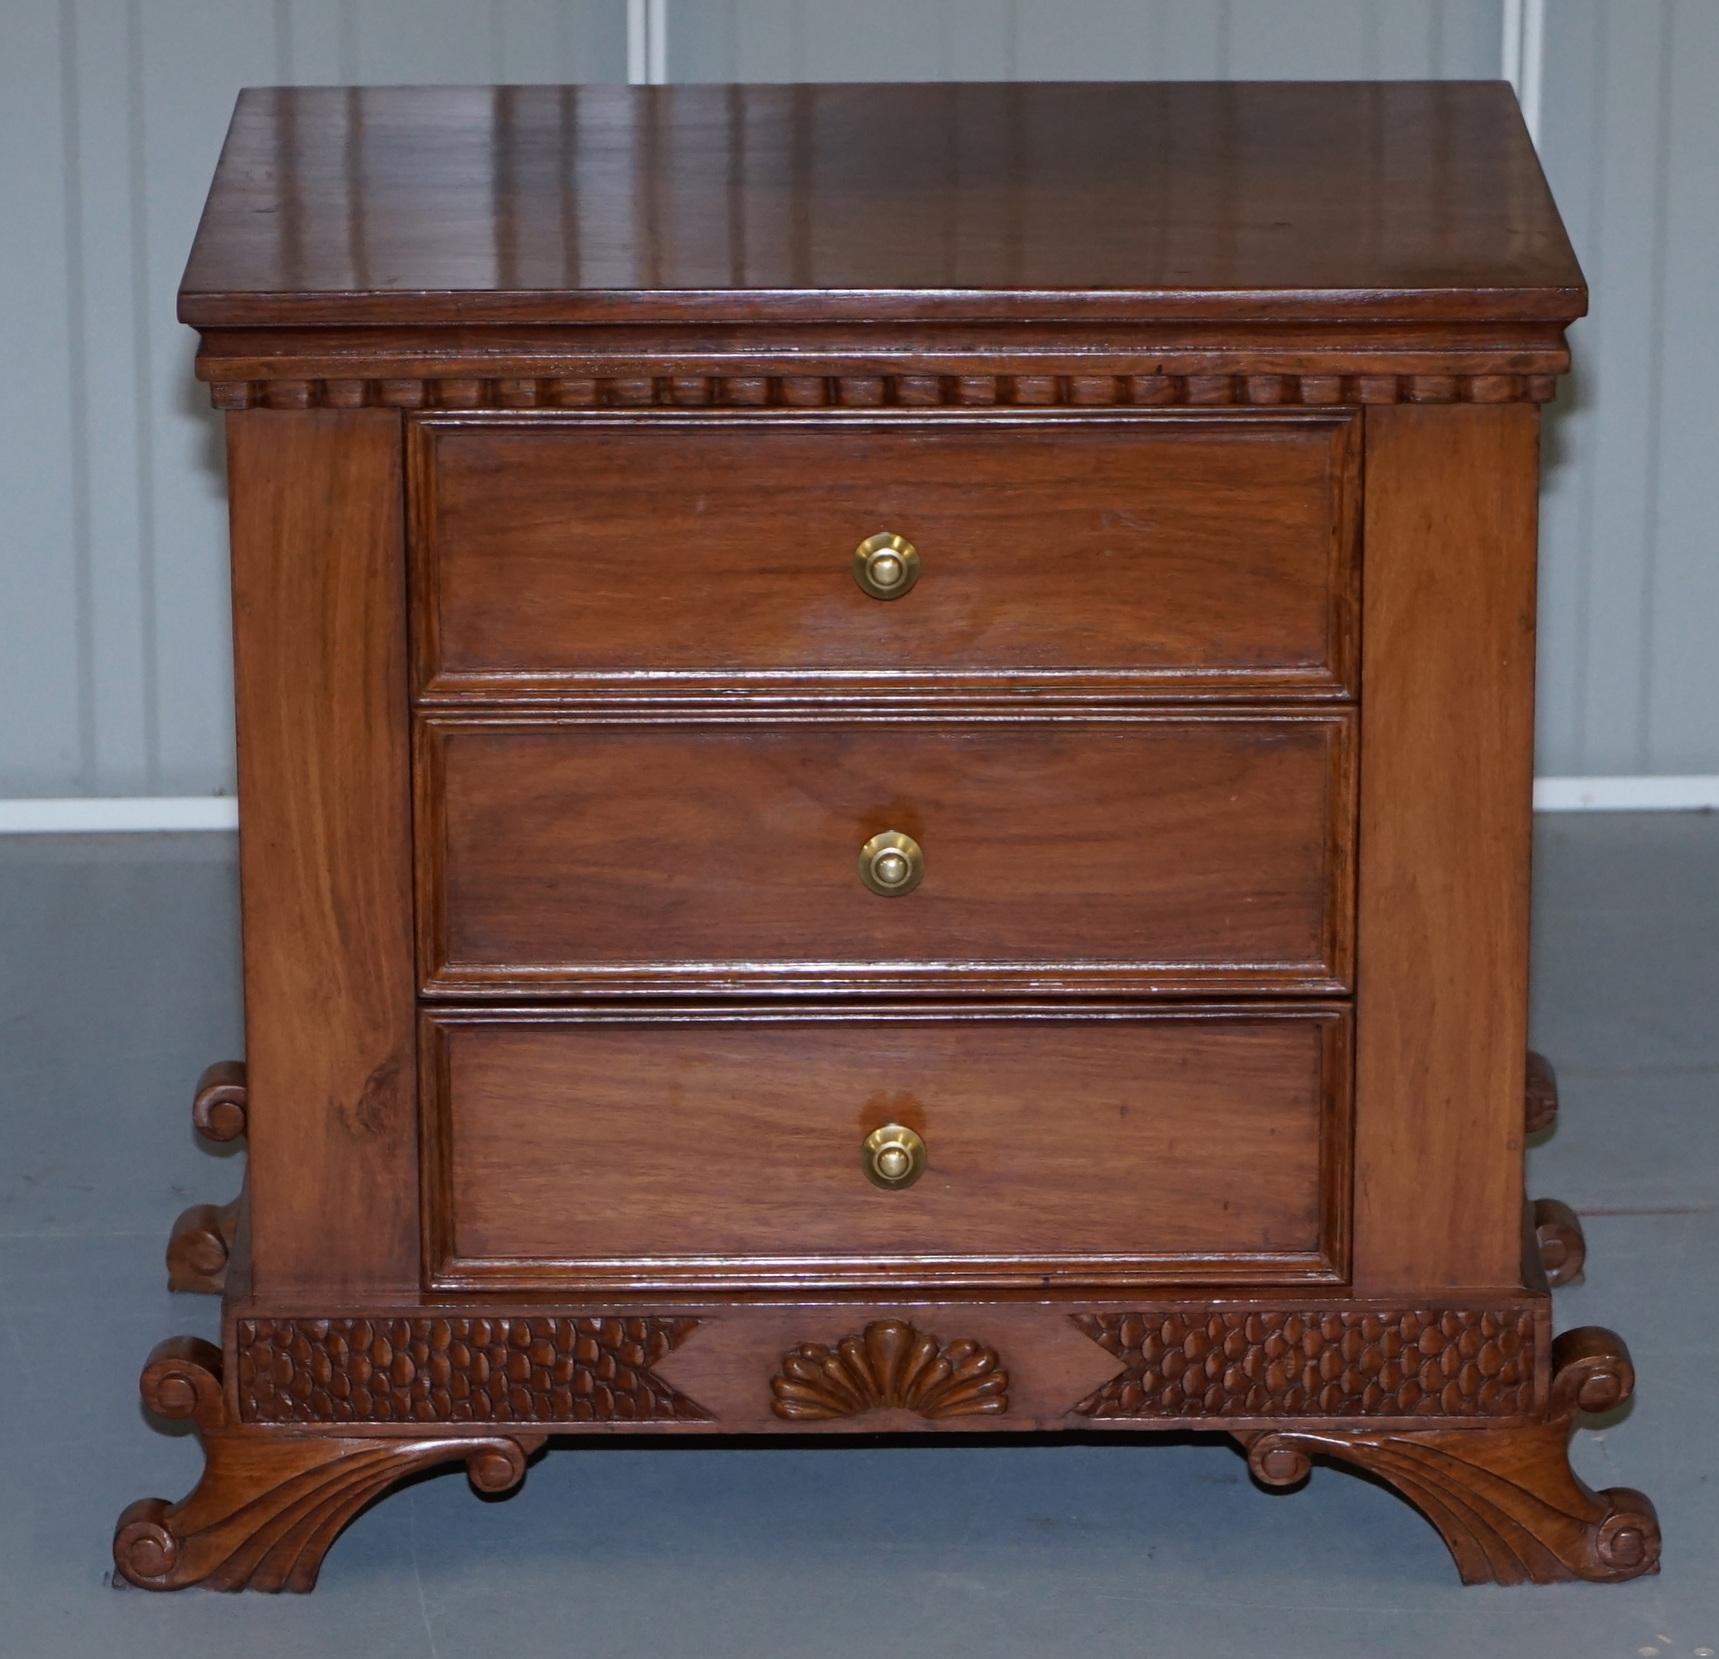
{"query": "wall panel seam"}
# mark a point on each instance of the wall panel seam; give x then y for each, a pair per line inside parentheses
(1653, 417)
(143, 362)
(77, 373)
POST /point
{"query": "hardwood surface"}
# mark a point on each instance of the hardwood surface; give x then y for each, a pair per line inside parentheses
(200, 1246)
(1559, 1238)
(1540, 1095)
(1148, 555)
(325, 853)
(1339, 363)
(267, 1507)
(890, 1366)
(701, 1362)
(1506, 1502)
(568, 1011)
(201, 1242)
(879, 203)
(269, 1502)
(1065, 1145)
(1158, 852)
(1447, 759)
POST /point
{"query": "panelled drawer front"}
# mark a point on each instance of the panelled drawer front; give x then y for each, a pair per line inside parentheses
(1147, 554)
(1147, 853)
(1071, 1143)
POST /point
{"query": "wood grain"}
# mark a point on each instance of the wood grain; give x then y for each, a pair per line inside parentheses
(567, 1011)
(1502, 1495)
(1152, 853)
(201, 1241)
(325, 847)
(1447, 746)
(1157, 554)
(386, 370)
(1540, 1095)
(462, 1368)
(696, 1362)
(890, 1366)
(200, 1246)
(1505, 1500)
(1559, 1238)
(1355, 1363)
(1066, 1145)
(267, 1506)
(878, 203)
(1081, 1366)
(1333, 362)
(1338, 362)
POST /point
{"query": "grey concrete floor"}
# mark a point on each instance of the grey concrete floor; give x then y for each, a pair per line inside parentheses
(118, 981)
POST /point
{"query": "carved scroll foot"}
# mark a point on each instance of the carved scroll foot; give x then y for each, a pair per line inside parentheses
(1540, 1098)
(202, 1238)
(200, 1244)
(1558, 1236)
(271, 1502)
(1505, 1500)
(219, 1107)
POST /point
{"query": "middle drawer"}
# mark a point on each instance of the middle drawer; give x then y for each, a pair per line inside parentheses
(1150, 853)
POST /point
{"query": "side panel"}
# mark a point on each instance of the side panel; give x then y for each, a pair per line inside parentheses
(325, 848)
(1447, 743)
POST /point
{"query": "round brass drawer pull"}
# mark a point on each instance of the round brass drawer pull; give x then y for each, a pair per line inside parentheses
(894, 1156)
(891, 864)
(886, 565)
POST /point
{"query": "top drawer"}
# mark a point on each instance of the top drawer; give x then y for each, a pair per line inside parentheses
(561, 554)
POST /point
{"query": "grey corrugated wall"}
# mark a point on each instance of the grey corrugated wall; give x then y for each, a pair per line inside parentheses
(114, 666)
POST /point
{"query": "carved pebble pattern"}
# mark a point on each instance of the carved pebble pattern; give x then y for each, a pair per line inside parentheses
(811, 391)
(429, 1370)
(1281, 1364)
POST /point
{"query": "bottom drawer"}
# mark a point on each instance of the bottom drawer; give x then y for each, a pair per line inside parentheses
(660, 1149)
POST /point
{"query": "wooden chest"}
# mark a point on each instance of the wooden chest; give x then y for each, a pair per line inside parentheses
(885, 746)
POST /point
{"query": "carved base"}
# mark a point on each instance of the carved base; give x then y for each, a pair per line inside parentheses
(1505, 1500)
(271, 1502)
(273, 1497)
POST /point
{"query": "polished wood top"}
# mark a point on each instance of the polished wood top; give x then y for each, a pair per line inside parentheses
(1233, 201)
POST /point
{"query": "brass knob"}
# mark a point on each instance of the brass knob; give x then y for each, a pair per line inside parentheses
(886, 565)
(894, 1156)
(891, 864)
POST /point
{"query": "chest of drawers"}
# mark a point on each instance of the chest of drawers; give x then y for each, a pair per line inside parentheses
(885, 746)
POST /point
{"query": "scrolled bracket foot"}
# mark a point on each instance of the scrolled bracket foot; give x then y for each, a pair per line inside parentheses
(270, 1503)
(1559, 1239)
(201, 1242)
(199, 1247)
(220, 1107)
(1540, 1095)
(1505, 1500)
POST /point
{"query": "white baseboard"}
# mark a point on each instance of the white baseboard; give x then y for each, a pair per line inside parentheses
(77, 815)
(108, 814)
(1670, 794)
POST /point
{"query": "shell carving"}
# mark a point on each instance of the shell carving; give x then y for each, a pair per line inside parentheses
(890, 1365)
